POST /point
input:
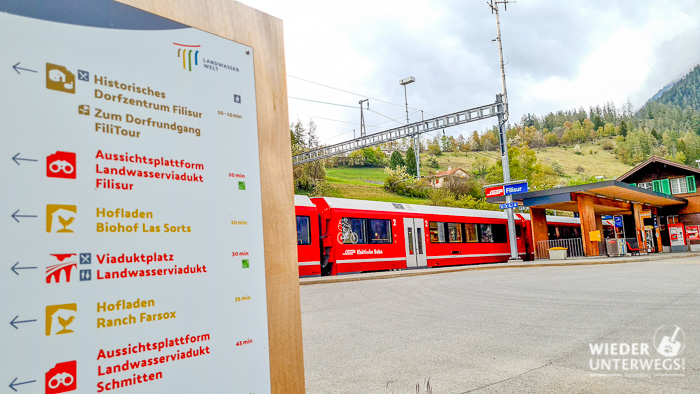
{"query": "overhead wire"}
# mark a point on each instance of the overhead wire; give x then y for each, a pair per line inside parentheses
(359, 95)
(349, 92)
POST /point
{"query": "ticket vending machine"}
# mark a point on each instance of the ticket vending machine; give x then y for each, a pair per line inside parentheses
(675, 232)
(650, 237)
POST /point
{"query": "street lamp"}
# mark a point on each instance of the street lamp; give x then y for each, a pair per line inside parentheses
(416, 143)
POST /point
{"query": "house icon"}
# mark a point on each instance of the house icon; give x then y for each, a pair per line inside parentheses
(59, 78)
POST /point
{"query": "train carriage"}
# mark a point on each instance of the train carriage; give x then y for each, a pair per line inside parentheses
(337, 235)
(308, 241)
(373, 235)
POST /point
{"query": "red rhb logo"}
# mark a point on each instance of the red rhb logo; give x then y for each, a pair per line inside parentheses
(61, 165)
(62, 378)
(494, 191)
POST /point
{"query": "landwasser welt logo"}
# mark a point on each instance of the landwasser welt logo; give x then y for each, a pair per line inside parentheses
(189, 58)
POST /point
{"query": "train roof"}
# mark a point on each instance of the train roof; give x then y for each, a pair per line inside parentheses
(346, 203)
(302, 201)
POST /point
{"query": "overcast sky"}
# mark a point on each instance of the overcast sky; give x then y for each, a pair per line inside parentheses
(558, 54)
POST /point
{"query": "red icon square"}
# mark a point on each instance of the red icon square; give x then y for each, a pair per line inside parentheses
(61, 165)
(62, 378)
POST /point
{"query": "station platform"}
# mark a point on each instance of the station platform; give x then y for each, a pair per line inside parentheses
(597, 260)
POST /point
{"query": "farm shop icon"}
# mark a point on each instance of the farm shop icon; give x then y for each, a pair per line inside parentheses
(64, 315)
(189, 55)
(60, 217)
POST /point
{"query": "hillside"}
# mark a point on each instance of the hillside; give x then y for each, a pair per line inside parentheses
(366, 183)
(683, 93)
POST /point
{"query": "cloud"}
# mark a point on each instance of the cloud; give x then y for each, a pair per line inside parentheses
(559, 55)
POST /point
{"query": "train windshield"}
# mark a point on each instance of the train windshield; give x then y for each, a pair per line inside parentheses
(303, 232)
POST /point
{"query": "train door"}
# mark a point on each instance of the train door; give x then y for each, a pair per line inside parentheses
(415, 242)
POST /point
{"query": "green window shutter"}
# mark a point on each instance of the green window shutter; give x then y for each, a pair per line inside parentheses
(657, 186)
(665, 186)
(633, 184)
(691, 184)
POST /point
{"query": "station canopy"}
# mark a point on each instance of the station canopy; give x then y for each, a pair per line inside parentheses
(609, 198)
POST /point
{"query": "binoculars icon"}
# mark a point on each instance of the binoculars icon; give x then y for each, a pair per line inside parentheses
(61, 166)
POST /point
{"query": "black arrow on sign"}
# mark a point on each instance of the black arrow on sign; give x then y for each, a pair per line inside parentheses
(13, 384)
(14, 322)
(15, 158)
(20, 68)
(15, 216)
(15, 268)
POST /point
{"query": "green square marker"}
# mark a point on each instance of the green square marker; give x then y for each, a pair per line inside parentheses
(241, 185)
(246, 264)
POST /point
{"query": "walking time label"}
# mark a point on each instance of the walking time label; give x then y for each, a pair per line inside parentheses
(131, 226)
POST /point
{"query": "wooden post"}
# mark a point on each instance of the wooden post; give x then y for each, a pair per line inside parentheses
(539, 228)
(657, 233)
(639, 226)
(588, 223)
(262, 32)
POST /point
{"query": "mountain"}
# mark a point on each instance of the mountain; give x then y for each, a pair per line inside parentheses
(683, 93)
(663, 90)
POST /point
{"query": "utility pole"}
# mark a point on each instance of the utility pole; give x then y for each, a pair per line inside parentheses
(502, 119)
(363, 129)
(416, 136)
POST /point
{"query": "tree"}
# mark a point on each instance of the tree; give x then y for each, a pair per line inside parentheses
(475, 141)
(432, 162)
(481, 166)
(411, 161)
(434, 149)
(308, 177)
(396, 160)
(623, 129)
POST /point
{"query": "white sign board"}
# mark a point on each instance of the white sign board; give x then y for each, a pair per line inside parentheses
(131, 234)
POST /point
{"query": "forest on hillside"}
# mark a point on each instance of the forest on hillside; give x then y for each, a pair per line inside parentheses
(668, 126)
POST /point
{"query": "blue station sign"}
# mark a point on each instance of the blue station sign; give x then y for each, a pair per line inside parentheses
(618, 221)
(515, 188)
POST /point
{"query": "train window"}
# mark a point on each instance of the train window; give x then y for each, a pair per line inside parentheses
(470, 233)
(437, 232)
(410, 240)
(303, 230)
(518, 231)
(419, 240)
(354, 231)
(454, 230)
(485, 233)
(500, 233)
(380, 231)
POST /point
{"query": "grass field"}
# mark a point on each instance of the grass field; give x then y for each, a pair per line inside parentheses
(366, 183)
(595, 161)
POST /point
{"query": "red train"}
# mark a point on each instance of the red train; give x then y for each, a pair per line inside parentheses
(336, 235)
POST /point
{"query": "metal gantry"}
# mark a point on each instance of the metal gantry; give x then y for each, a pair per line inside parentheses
(410, 130)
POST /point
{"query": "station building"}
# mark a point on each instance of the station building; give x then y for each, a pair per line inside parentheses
(655, 206)
(664, 176)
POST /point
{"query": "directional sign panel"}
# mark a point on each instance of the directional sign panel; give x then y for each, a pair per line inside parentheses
(508, 205)
(131, 234)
